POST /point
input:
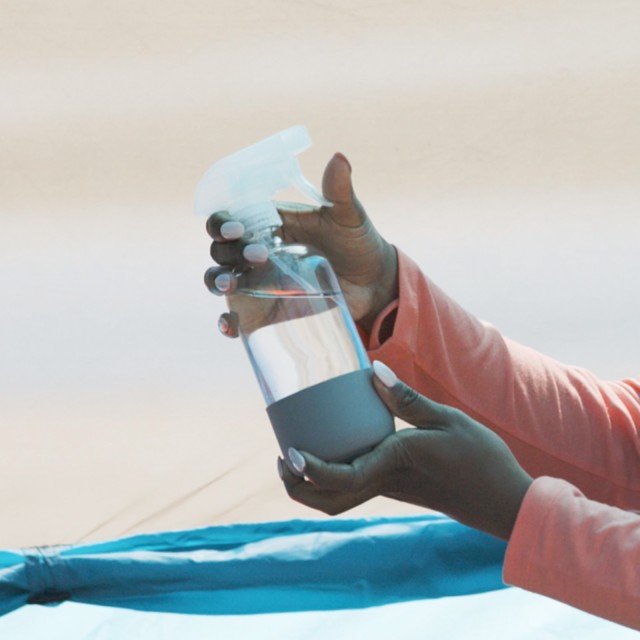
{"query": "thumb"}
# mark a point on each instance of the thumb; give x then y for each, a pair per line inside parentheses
(337, 187)
(406, 403)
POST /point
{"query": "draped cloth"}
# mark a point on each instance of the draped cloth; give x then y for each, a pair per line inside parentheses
(269, 567)
(415, 577)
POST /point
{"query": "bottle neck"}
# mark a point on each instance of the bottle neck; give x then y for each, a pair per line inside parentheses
(258, 217)
(267, 235)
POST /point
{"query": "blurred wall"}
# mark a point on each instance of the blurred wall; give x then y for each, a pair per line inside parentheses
(497, 143)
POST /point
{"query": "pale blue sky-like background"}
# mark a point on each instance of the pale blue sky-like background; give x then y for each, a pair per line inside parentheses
(496, 143)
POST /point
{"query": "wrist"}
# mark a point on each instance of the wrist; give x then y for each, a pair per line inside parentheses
(385, 290)
(504, 528)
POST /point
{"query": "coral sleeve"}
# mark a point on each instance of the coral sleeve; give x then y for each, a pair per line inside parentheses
(576, 538)
(558, 420)
(577, 551)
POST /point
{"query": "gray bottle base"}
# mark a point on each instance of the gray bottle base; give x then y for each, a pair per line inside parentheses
(336, 420)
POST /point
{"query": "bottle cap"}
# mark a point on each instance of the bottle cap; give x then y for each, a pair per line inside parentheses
(245, 182)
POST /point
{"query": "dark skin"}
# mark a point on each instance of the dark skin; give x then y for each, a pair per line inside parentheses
(448, 462)
(365, 263)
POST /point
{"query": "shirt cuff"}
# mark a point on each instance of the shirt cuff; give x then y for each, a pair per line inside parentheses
(382, 327)
(524, 548)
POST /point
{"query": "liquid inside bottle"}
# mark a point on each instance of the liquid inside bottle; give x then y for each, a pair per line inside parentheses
(294, 354)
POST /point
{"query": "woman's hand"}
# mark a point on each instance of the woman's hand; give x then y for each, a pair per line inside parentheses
(365, 263)
(449, 463)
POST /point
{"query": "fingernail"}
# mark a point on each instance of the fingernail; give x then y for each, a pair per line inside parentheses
(384, 374)
(223, 282)
(228, 324)
(223, 324)
(255, 253)
(280, 468)
(344, 159)
(232, 230)
(296, 459)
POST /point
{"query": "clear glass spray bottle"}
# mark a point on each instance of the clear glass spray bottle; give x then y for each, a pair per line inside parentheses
(304, 347)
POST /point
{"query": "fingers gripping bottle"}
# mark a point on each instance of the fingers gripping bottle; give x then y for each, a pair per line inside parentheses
(305, 350)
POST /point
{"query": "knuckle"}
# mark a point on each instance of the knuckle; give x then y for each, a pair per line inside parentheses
(212, 225)
(291, 491)
(357, 480)
(407, 398)
(210, 276)
(217, 252)
(331, 510)
(215, 221)
(213, 251)
(401, 449)
(228, 254)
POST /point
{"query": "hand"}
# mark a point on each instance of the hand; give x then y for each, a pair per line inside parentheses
(449, 463)
(365, 264)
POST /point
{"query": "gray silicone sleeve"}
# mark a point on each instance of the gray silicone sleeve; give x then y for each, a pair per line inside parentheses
(336, 420)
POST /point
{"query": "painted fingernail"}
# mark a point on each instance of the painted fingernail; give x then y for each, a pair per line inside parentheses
(232, 230)
(384, 374)
(223, 282)
(223, 324)
(281, 468)
(228, 324)
(255, 253)
(296, 459)
(344, 159)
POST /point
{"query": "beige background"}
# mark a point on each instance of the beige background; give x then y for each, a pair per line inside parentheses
(498, 143)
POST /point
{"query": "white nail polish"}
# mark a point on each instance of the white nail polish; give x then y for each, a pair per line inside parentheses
(223, 324)
(384, 374)
(223, 282)
(232, 230)
(296, 459)
(256, 253)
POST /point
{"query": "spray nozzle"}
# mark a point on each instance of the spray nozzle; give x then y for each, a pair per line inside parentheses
(244, 183)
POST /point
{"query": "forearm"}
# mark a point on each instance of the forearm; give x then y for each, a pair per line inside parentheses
(558, 420)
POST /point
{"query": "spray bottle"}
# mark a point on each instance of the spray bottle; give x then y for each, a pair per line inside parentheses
(303, 345)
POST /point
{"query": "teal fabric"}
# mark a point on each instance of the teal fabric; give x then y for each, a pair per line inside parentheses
(276, 567)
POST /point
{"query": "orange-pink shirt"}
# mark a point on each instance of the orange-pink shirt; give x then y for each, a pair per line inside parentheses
(576, 538)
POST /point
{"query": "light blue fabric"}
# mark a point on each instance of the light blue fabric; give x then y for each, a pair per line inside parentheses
(263, 568)
(505, 614)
